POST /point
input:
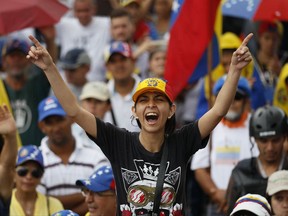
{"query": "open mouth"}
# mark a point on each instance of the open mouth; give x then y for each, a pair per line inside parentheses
(151, 117)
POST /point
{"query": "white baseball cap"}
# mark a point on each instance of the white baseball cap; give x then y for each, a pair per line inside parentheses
(254, 203)
(97, 90)
(277, 182)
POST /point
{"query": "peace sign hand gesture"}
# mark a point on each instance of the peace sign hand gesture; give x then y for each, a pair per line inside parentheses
(39, 55)
(242, 56)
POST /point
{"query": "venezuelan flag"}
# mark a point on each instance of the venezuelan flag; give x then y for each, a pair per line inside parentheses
(5, 100)
(192, 30)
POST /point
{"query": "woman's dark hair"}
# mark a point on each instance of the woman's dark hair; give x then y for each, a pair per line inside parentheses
(1, 143)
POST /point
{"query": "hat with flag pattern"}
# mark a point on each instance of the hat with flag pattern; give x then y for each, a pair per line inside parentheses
(153, 84)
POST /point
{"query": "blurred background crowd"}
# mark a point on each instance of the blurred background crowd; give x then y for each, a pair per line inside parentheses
(102, 49)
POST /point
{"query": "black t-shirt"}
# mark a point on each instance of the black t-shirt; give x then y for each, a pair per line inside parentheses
(136, 169)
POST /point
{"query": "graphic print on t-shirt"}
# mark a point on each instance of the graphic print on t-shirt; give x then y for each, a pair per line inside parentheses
(22, 115)
(140, 187)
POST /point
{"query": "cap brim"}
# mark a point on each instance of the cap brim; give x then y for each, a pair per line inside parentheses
(30, 159)
(147, 89)
(275, 190)
(95, 187)
(51, 113)
(15, 50)
(129, 2)
(117, 52)
(66, 66)
(251, 207)
(97, 97)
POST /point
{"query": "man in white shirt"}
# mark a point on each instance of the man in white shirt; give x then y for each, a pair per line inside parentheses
(229, 143)
(95, 98)
(121, 65)
(85, 31)
(66, 158)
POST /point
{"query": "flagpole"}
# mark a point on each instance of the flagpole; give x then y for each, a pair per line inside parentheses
(209, 71)
(217, 30)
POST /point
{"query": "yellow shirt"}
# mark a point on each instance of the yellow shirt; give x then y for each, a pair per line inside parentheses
(281, 91)
(40, 207)
(87, 214)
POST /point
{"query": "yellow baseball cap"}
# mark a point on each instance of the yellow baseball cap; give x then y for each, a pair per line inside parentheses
(229, 40)
(153, 84)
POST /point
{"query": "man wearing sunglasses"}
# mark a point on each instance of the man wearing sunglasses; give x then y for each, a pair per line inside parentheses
(26, 200)
(99, 192)
(229, 143)
(8, 155)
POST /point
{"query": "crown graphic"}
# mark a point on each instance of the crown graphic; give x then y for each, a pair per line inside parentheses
(150, 172)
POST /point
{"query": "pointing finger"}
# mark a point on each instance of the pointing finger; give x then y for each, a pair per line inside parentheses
(35, 41)
(247, 39)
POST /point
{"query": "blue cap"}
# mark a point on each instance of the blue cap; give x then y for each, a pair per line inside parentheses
(101, 180)
(75, 58)
(242, 87)
(48, 107)
(15, 45)
(29, 153)
(118, 47)
(65, 213)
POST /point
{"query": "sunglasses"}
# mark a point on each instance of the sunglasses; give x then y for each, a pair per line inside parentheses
(23, 171)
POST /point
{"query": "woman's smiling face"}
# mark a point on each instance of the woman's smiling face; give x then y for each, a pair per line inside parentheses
(152, 109)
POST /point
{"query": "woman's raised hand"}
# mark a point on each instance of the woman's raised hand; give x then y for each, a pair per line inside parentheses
(39, 55)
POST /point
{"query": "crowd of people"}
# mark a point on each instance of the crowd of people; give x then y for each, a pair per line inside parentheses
(89, 126)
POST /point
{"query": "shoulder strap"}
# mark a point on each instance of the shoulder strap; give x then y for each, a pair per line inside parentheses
(113, 116)
(160, 180)
(48, 204)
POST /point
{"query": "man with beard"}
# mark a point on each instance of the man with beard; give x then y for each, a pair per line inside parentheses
(66, 158)
(268, 130)
(229, 144)
(25, 83)
(26, 86)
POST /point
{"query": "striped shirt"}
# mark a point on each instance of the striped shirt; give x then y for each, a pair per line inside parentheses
(59, 178)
